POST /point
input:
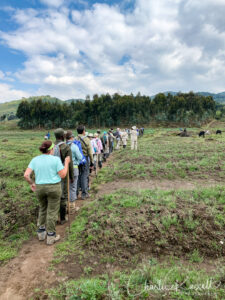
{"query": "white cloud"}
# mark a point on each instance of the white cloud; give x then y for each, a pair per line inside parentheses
(8, 93)
(54, 3)
(160, 45)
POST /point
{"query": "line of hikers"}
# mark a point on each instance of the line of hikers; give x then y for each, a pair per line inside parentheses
(64, 168)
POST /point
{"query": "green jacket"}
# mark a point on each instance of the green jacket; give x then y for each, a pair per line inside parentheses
(66, 151)
(87, 149)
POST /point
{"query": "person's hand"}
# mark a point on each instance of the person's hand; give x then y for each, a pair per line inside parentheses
(67, 159)
(33, 187)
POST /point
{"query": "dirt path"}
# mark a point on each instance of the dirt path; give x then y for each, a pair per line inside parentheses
(111, 187)
(30, 269)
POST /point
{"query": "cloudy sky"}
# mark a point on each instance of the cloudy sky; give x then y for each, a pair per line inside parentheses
(72, 48)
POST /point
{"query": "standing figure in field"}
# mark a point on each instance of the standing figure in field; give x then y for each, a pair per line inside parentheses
(133, 138)
(48, 171)
(94, 149)
(84, 168)
(105, 143)
(118, 138)
(99, 150)
(62, 150)
(124, 136)
(76, 159)
(111, 138)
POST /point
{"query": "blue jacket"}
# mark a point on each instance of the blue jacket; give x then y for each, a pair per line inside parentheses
(76, 155)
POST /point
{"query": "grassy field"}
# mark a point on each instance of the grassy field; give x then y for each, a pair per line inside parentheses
(131, 241)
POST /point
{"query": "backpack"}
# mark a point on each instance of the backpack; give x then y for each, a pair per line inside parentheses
(57, 151)
(78, 143)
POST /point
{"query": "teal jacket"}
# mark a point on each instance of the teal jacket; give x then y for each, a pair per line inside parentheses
(76, 155)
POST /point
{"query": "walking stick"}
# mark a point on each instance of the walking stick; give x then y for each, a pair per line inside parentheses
(68, 200)
(96, 171)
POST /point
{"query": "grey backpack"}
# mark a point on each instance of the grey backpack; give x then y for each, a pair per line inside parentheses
(57, 151)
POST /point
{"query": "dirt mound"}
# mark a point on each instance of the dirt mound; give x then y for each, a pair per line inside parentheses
(14, 213)
(155, 231)
(125, 226)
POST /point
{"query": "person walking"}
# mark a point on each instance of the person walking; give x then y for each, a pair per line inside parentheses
(94, 149)
(62, 150)
(124, 137)
(84, 168)
(133, 138)
(76, 159)
(48, 171)
(99, 149)
(118, 138)
(111, 139)
(105, 145)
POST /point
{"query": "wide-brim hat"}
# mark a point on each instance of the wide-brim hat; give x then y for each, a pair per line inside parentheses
(90, 134)
(134, 127)
(95, 135)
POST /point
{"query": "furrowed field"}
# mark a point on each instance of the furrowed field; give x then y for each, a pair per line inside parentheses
(154, 227)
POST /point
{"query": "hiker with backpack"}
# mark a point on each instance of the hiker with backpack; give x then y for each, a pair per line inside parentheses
(48, 172)
(76, 159)
(100, 149)
(94, 149)
(105, 143)
(111, 139)
(118, 138)
(62, 150)
(84, 168)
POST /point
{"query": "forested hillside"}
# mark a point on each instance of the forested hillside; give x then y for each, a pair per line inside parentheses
(117, 110)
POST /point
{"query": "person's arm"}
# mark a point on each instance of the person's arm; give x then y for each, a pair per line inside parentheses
(62, 173)
(28, 179)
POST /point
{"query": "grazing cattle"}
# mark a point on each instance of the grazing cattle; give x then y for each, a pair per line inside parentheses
(218, 132)
(201, 133)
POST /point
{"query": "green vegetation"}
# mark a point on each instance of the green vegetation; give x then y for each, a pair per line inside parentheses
(165, 155)
(116, 110)
(125, 243)
(147, 281)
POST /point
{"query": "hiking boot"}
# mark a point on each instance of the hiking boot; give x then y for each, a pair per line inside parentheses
(72, 208)
(51, 239)
(42, 235)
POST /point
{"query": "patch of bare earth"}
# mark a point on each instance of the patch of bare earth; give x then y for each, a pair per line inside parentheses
(30, 269)
(136, 185)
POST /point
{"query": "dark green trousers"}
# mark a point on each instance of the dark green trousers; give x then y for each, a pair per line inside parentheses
(49, 196)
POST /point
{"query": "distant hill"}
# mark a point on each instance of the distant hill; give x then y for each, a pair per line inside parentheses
(220, 97)
(11, 107)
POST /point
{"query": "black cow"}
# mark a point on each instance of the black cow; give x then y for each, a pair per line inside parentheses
(201, 133)
(218, 132)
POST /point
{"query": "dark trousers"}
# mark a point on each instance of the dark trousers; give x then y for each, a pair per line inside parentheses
(83, 178)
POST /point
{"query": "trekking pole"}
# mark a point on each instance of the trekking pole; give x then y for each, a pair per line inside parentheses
(68, 200)
(96, 171)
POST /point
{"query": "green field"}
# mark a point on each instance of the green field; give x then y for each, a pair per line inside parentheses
(153, 229)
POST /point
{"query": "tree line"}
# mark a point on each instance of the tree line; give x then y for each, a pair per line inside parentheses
(117, 110)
